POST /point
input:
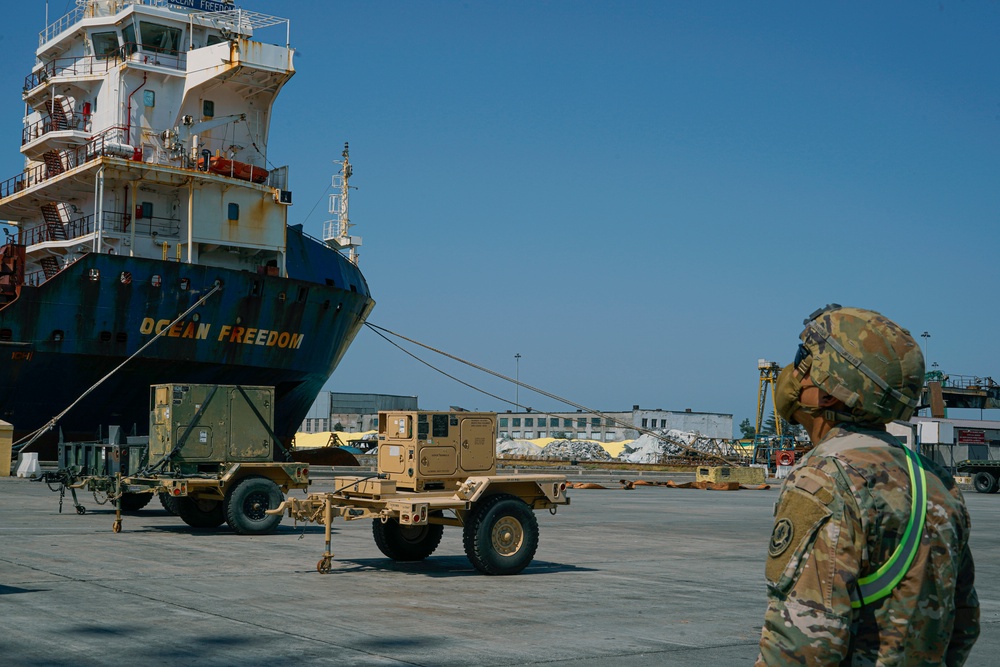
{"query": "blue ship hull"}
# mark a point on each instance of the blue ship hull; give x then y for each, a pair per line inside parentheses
(60, 338)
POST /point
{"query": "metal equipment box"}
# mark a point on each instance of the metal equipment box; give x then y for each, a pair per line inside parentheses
(730, 474)
(211, 423)
(435, 450)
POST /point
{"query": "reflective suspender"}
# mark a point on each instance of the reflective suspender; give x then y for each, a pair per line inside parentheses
(880, 583)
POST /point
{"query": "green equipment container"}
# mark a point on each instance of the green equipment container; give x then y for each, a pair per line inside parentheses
(203, 424)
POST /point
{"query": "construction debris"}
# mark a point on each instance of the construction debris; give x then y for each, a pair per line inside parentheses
(705, 485)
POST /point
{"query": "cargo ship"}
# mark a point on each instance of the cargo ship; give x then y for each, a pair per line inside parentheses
(148, 193)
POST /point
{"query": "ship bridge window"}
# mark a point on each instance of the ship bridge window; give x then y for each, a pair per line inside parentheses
(128, 34)
(160, 37)
(105, 44)
(6, 334)
(105, 336)
(214, 39)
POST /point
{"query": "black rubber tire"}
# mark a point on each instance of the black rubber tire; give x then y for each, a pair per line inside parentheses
(246, 503)
(985, 482)
(406, 543)
(133, 502)
(500, 535)
(168, 502)
(200, 512)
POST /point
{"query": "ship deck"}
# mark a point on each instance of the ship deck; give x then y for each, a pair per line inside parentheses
(648, 576)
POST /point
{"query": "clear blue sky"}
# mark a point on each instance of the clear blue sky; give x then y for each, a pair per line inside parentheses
(640, 198)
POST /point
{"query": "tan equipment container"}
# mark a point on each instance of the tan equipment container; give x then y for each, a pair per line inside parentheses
(435, 450)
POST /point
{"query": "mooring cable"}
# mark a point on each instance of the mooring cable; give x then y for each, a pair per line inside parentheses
(52, 422)
(382, 330)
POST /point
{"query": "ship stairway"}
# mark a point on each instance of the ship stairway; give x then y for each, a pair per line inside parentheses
(53, 164)
(50, 265)
(55, 222)
(57, 113)
(11, 272)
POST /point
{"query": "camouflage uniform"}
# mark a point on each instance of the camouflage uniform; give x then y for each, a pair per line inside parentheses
(840, 515)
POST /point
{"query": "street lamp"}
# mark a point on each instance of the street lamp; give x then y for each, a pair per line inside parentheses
(925, 336)
(517, 379)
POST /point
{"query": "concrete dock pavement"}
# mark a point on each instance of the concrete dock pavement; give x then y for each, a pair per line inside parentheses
(648, 576)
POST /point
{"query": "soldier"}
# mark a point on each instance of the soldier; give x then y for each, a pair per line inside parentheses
(869, 561)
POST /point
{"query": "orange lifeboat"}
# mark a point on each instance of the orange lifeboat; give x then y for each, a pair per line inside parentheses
(226, 167)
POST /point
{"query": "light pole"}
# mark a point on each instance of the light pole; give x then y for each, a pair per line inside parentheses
(517, 380)
(925, 336)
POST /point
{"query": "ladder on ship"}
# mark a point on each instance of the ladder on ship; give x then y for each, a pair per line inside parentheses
(11, 272)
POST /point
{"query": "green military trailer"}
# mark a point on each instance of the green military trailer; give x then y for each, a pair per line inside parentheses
(438, 469)
(985, 474)
(210, 458)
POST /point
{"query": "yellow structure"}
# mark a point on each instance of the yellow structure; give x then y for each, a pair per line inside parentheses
(769, 372)
(6, 438)
(729, 474)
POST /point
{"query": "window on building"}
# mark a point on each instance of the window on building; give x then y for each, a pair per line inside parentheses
(644, 422)
(504, 434)
(541, 421)
(128, 33)
(528, 435)
(105, 44)
(517, 421)
(503, 421)
(160, 38)
(517, 434)
(609, 422)
(663, 423)
(581, 422)
(595, 421)
(567, 423)
(543, 434)
(529, 421)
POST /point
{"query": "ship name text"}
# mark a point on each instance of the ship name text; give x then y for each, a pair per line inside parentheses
(226, 333)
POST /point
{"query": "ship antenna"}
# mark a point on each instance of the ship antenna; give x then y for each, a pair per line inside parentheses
(337, 233)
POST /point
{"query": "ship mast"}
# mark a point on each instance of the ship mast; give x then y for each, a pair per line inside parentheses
(337, 233)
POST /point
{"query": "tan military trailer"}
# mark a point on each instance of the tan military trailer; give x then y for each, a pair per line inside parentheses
(438, 469)
(211, 457)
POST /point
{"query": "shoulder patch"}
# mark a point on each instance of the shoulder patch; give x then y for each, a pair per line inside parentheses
(799, 516)
(781, 537)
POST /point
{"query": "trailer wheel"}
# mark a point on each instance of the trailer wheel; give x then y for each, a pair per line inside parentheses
(247, 504)
(200, 512)
(985, 482)
(501, 535)
(406, 543)
(133, 502)
(168, 502)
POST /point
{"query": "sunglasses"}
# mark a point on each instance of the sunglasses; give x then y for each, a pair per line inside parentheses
(801, 355)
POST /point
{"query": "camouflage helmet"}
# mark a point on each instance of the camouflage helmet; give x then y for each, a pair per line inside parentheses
(865, 360)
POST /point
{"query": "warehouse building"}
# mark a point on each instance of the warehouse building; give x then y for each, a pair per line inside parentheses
(351, 413)
(612, 426)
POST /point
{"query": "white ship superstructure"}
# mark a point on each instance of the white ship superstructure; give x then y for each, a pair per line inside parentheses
(178, 104)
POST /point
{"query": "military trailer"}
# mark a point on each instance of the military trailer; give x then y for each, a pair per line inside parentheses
(210, 457)
(438, 469)
(985, 474)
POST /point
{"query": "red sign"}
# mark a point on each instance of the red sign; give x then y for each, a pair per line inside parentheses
(970, 437)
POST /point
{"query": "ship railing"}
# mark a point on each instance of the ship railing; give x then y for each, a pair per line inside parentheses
(150, 55)
(100, 64)
(100, 146)
(63, 22)
(67, 67)
(115, 222)
(34, 278)
(240, 19)
(73, 121)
